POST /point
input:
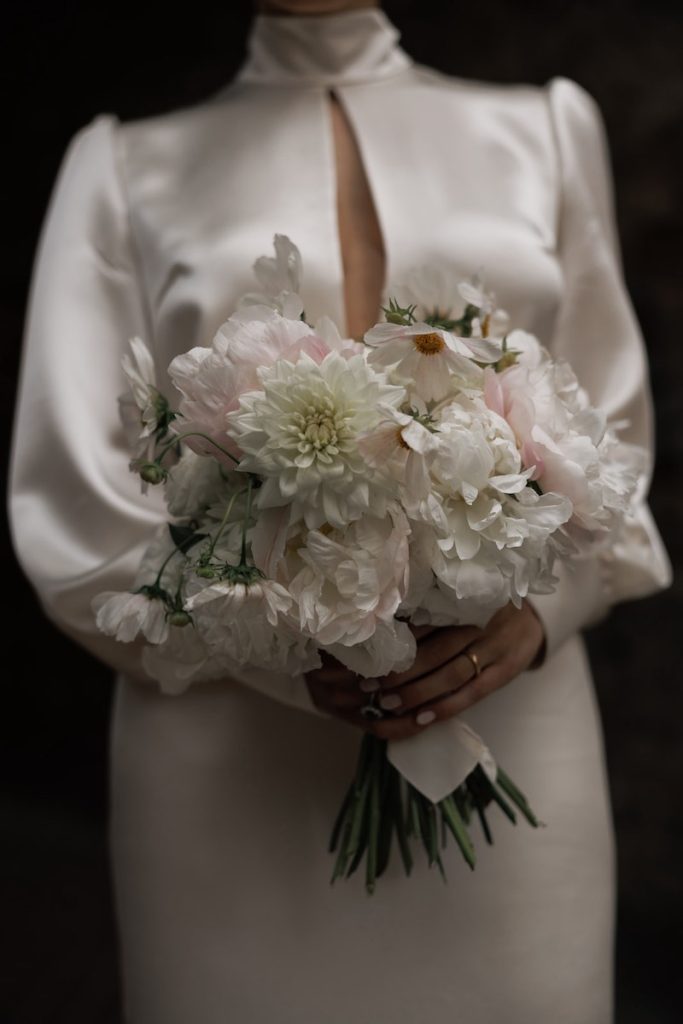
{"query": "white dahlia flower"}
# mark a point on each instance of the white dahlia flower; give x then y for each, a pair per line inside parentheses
(300, 432)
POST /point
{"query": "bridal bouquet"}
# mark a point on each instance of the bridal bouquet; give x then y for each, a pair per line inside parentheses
(324, 493)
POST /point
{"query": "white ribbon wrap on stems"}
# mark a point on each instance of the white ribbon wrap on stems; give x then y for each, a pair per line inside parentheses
(437, 760)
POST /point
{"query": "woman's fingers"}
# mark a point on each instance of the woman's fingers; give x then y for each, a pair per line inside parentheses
(436, 649)
(469, 664)
(448, 706)
(446, 679)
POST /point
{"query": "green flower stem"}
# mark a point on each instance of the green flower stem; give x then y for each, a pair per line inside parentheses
(400, 823)
(195, 433)
(454, 821)
(245, 522)
(373, 837)
(517, 797)
(224, 521)
(178, 549)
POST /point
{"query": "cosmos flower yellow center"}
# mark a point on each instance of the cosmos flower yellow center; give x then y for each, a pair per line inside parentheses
(429, 344)
(400, 440)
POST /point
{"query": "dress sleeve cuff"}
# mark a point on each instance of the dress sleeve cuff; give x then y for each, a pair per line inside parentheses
(581, 599)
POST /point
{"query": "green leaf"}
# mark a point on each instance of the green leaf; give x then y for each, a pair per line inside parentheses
(373, 830)
(400, 823)
(386, 819)
(432, 833)
(483, 787)
(517, 797)
(416, 820)
(342, 856)
(457, 826)
(358, 813)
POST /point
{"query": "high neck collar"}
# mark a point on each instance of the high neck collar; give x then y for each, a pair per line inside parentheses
(326, 49)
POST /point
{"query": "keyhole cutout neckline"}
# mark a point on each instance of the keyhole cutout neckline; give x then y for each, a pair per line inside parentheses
(356, 206)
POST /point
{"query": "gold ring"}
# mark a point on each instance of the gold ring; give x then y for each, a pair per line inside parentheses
(475, 661)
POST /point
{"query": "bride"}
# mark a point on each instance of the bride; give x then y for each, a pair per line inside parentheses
(221, 798)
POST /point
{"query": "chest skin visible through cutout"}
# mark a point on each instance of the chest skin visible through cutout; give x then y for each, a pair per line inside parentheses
(360, 236)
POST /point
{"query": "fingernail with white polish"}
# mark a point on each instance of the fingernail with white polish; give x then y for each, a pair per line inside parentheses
(390, 702)
(425, 717)
(368, 685)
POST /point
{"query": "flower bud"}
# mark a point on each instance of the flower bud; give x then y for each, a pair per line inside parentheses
(152, 473)
(205, 572)
(179, 618)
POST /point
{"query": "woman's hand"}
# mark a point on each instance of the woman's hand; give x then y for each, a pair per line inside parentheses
(443, 680)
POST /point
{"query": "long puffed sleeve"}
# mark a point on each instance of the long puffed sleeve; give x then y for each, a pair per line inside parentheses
(598, 333)
(78, 519)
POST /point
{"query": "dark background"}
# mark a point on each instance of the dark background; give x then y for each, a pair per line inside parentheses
(63, 64)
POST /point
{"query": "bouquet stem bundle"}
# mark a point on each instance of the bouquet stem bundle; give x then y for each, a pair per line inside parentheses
(380, 802)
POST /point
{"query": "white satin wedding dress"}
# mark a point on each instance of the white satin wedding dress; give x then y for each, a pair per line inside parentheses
(222, 799)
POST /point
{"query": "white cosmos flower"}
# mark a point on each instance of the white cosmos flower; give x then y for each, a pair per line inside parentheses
(229, 599)
(279, 278)
(140, 406)
(142, 409)
(300, 432)
(124, 615)
(492, 321)
(437, 292)
(401, 447)
(423, 358)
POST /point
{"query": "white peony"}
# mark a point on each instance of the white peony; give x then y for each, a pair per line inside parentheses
(562, 439)
(349, 581)
(391, 648)
(248, 622)
(485, 534)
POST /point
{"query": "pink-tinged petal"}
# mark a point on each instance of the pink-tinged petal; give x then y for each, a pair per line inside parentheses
(269, 537)
(417, 479)
(531, 457)
(417, 437)
(380, 445)
(312, 345)
(493, 391)
(520, 413)
(482, 349)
